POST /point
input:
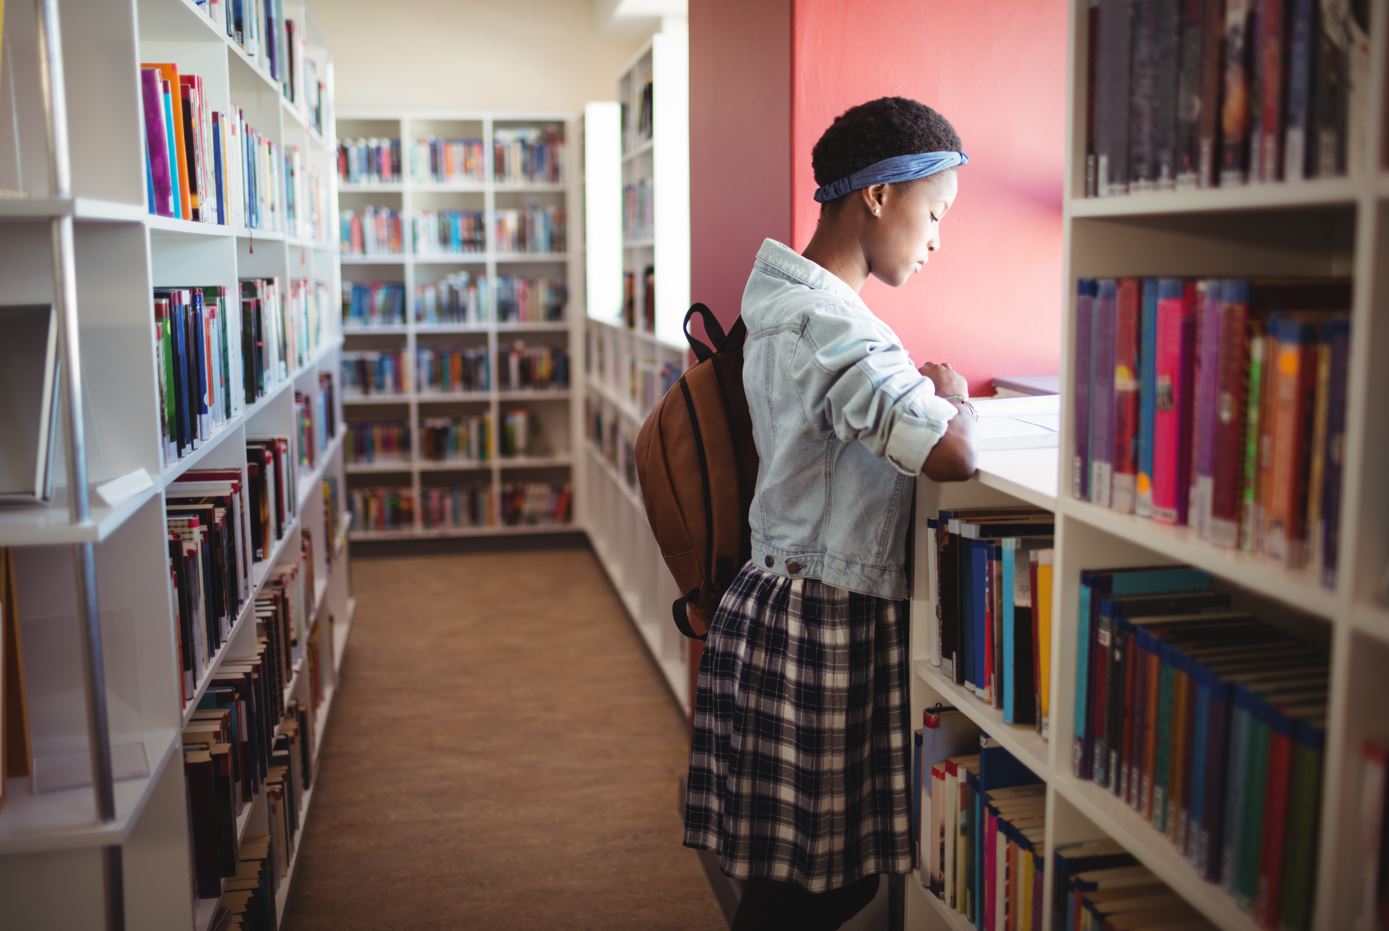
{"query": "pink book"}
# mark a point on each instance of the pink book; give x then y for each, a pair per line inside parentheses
(1124, 464)
(1172, 416)
(1205, 413)
(156, 141)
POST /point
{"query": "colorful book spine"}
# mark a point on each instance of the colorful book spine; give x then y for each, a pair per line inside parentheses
(1102, 392)
(1338, 338)
(1081, 381)
(1222, 525)
(1284, 531)
(1147, 394)
(1172, 409)
(1126, 396)
(1112, 79)
(1236, 103)
(1205, 411)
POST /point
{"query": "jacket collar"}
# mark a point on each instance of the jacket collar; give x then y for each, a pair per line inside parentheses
(801, 269)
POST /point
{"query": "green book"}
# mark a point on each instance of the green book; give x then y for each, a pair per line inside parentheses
(1248, 493)
(1300, 855)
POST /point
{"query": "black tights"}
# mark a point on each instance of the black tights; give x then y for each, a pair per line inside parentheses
(773, 906)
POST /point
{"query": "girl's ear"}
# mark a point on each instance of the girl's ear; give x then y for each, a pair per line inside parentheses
(872, 197)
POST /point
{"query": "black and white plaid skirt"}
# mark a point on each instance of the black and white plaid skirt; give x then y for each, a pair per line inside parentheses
(800, 766)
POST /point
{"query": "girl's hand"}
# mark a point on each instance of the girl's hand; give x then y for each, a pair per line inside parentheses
(947, 381)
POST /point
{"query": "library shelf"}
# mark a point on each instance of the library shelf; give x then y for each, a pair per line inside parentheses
(520, 326)
(446, 397)
(454, 465)
(371, 187)
(255, 234)
(503, 187)
(51, 524)
(639, 149)
(627, 490)
(305, 242)
(342, 631)
(1318, 192)
(1300, 589)
(167, 225)
(425, 329)
(1109, 813)
(308, 479)
(533, 462)
(449, 258)
(380, 329)
(390, 258)
(66, 819)
(520, 258)
(642, 242)
(378, 467)
(947, 916)
(79, 208)
(1026, 474)
(1021, 740)
(365, 399)
(534, 394)
(1372, 619)
(626, 407)
(344, 527)
(450, 187)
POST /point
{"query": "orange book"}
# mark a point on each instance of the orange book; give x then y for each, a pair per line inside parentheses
(169, 72)
(1292, 386)
(1145, 795)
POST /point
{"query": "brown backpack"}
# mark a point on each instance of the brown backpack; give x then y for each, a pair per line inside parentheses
(698, 466)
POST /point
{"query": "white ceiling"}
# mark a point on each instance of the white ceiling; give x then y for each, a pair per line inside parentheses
(635, 15)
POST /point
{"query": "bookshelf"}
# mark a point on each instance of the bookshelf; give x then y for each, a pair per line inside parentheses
(1323, 227)
(633, 336)
(55, 840)
(554, 418)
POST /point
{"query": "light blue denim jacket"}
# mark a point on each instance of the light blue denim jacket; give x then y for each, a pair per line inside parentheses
(843, 423)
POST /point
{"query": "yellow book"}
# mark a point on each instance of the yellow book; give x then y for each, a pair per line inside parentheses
(1042, 601)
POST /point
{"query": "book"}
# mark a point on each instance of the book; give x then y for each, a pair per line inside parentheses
(30, 369)
(1172, 403)
(1147, 394)
(1111, 79)
(1124, 459)
(1102, 392)
(1017, 423)
(1081, 379)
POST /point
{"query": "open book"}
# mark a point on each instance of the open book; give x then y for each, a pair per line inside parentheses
(1018, 423)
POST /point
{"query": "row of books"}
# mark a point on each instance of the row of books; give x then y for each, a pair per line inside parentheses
(447, 160)
(378, 509)
(314, 415)
(372, 231)
(1372, 909)
(529, 367)
(529, 154)
(378, 441)
(453, 439)
(369, 161)
(202, 164)
(373, 303)
(523, 299)
(368, 372)
(1217, 404)
(1099, 886)
(332, 514)
(460, 297)
(306, 86)
(306, 213)
(450, 370)
(520, 434)
(530, 229)
(307, 314)
(197, 365)
(645, 112)
(448, 232)
(533, 503)
(1207, 93)
(1209, 723)
(458, 506)
(612, 440)
(979, 818)
(638, 209)
(648, 303)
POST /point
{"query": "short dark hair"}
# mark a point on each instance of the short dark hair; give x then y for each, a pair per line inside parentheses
(879, 129)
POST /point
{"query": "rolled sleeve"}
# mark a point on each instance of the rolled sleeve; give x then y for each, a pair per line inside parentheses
(856, 380)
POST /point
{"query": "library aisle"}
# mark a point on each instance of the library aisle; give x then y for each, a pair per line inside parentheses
(505, 755)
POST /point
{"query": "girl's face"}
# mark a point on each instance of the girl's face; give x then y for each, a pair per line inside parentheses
(905, 230)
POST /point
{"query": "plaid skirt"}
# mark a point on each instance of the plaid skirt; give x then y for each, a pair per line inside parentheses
(799, 767)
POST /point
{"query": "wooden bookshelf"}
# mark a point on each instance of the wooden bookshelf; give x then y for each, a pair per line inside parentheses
(51, 841)
(1259, 229)
(555, 410)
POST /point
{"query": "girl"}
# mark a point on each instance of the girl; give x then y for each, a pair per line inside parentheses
(799, 771)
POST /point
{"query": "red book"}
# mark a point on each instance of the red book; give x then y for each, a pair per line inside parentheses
(1232, 380)
(1125, 455)
(1172, 411)
(1266, 148)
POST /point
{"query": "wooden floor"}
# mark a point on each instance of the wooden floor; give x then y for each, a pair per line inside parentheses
(501, 754)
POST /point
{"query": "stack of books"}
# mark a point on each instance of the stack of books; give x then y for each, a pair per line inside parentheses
(457, 298)
(369, 161)
(463, 506)
(530, 229)
(365, 373)
(376, 509)
(450, 370)
(532, 503)
(532, 367)
(527, 155)
(446, 160)
(378, 441)
(375, 231)
(374, 303)
(456, 439)
(528, 299)
(449, 232)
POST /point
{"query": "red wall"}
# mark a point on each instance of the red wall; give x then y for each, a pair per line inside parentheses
(990, 302)
(740, 142)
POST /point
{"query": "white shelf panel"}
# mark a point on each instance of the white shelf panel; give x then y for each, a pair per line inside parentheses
(301, 119)
(950, 919)
(1153, 849)
(302, 242)
(1372, 620)
(644, 242)
(373, 468)
(28, 209)
(341, 634)
(425, 329)
(624, 406)
(247, 232)
(449, 187)
(49, 525)
(533, 462)
(376, 398)
(1021, 740)
(1298, 589)
(629, 493)
(426, 533)
(385, 329)
(393, 259)
(247, 609)
(443, 397)
(534, 394)
(455, 465)
(1321, 192)
(450, 258)
(559, 326)
(1026, 474)
(639, 150)
(66, 819)
(308, 481)
(371, 187)
(502, 258)
(161, 225)
(528, 187)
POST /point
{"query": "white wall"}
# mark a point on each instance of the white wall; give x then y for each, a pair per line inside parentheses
(492, 55)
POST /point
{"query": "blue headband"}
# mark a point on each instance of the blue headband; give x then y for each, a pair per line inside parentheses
(892, 171)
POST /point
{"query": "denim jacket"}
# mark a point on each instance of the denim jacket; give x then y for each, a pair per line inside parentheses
(843, 423)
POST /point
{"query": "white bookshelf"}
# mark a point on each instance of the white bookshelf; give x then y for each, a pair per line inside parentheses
(1336, 226)
(51, 842)
(555, 411)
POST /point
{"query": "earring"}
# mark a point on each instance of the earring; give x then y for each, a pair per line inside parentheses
(877, 211)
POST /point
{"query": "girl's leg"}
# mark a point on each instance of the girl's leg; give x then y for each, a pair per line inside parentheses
(781, 906)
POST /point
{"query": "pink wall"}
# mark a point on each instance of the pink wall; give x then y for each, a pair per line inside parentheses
(740, 142)
(990, 302)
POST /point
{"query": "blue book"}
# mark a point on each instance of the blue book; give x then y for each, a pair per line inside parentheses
(173, 150)
(217, 168)
(199, 338)
(978, 551)
(1147, 394)
(1102, 392)
(1093, 583)
(180, 386)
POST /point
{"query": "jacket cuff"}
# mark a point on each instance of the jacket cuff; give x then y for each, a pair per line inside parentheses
(921, 421)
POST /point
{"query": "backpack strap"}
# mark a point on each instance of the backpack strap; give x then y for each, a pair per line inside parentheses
(712, 329)
(682, 619)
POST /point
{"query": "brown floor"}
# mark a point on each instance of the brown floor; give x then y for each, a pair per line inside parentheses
(501, 754)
